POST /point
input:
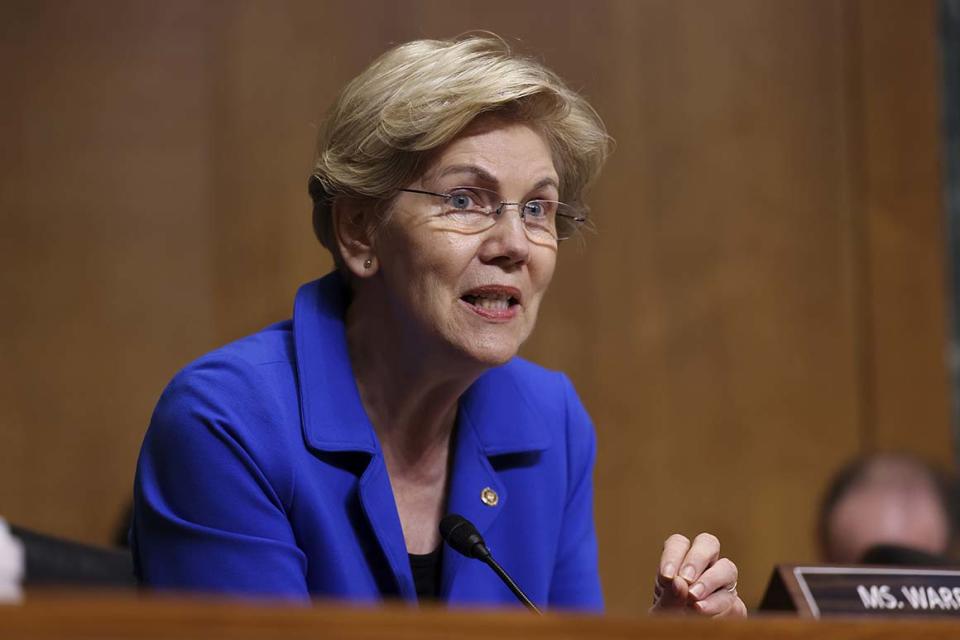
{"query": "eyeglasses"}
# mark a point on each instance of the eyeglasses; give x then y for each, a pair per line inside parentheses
(474, 209)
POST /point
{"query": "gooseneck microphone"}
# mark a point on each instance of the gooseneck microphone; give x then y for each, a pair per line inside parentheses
(463, 537)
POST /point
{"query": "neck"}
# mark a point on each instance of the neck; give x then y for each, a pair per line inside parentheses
(409, 391)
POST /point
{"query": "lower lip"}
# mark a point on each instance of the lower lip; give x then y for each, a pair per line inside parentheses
(494, 315)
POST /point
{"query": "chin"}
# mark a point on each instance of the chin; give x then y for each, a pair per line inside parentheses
(482, 345)
(494, 358)
(492, 351)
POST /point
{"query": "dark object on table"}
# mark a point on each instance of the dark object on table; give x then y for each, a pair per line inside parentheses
(52, 561)
(893, 555)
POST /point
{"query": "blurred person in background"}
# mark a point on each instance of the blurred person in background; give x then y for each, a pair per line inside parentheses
(317, 457)
(888, 509)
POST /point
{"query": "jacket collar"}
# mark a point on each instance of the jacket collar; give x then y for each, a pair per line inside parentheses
(333, 417)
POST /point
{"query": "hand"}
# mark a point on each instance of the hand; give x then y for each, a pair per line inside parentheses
(694, 578)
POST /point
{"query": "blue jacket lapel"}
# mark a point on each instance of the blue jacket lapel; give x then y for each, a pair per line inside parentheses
(380, 507)
(495, 419)
(333, 418)
(472, 474)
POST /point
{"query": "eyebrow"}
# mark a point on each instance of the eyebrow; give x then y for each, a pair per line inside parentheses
(488, 177)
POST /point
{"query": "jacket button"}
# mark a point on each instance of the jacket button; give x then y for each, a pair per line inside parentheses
(489, 497)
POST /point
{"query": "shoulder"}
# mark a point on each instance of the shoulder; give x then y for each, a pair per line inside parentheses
(240, 397)
(270, 345)
(237, 368)
(548, 392)
(544, 396)
(534, 382)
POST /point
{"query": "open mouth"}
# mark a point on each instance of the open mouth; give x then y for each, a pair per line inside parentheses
(493, 300)
(491, 303)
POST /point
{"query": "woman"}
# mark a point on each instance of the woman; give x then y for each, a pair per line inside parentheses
(317, 457)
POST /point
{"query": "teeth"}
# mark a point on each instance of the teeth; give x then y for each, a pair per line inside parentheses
(490, 300)
(492, 304)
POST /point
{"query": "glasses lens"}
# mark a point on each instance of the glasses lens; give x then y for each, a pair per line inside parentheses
(540, 217)
(473, 208)
(470, 208)
(471, 199)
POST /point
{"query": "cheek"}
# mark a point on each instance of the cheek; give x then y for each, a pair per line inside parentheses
(434, 268)
(438, 252)
(542, 273)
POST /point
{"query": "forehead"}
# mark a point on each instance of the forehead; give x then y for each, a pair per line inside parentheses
(509, 154)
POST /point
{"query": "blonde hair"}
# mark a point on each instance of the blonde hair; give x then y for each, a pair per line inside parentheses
(419, 96)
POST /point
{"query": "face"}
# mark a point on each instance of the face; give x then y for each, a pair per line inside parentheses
(912, 518)
(471, 295)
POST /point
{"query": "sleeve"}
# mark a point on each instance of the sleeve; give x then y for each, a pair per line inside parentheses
(576, 578)
(211, 487)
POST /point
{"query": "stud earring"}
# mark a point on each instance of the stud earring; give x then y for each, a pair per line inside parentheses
(368, 263)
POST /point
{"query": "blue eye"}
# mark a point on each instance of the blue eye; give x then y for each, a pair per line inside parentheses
(538, 208)
(461, 201)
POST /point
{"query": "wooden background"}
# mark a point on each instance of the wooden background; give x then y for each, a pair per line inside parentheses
(765, 297)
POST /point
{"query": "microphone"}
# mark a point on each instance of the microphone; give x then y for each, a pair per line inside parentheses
(463, 537)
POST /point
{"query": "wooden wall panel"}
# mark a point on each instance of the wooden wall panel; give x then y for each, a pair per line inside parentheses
(106, 274)
(727, 279)
(737, 327)
(904, 227)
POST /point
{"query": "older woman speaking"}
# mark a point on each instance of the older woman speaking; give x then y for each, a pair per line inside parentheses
(317, 457)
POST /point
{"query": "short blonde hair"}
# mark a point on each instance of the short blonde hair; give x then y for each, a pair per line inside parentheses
(419, 96)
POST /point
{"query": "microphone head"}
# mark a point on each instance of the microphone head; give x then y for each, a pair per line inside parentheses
(462, 536)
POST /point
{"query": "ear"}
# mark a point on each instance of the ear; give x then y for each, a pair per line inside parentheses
(354, 236)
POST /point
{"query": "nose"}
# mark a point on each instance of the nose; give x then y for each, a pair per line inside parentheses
(506, 242)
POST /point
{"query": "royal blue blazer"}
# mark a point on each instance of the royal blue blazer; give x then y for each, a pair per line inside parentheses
(260, 474)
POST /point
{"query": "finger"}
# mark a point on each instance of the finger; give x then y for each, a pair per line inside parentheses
(722, 575)
(674, 550)
(737, 610)
(672, 596)
(703, 552)
(716, 604)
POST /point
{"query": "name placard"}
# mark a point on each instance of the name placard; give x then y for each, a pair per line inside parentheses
(823, 591)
